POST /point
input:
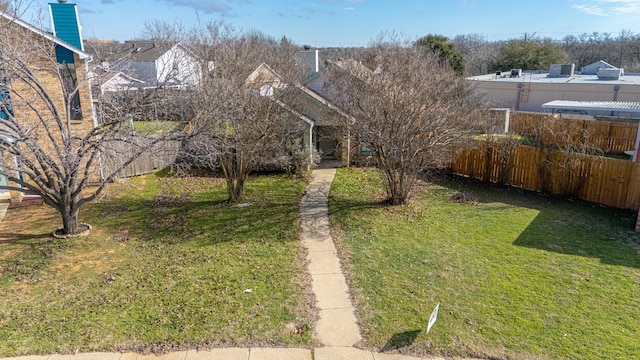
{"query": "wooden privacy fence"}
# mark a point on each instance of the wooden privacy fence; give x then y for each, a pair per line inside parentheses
(598, 179)
(154, 158)
(605, 136)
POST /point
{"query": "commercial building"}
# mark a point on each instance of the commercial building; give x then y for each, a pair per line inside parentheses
(530, 90)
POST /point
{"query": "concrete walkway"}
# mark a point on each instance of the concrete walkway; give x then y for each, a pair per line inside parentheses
(324, 353)
(337, 325)
(337, 328)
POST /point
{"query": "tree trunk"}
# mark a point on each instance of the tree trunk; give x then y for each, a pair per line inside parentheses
(235, 174)
(69, 221)
(397, 199)
(397, 192)
(235, 189)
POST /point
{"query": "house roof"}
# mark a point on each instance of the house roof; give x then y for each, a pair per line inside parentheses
(11, 18)
(263, 74)
(353, 67)
(143, 50)
(137, 50)
(109, 77)
(119, 81)
(323, 101)
(600, 63)
(618, 106)
(296, 113)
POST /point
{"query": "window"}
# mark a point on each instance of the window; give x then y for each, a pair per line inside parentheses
(71, 90)
(5, 99)
(365, 151)
(362, 149)
(5, 103)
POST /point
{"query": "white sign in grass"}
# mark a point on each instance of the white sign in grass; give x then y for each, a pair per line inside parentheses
(433, 317)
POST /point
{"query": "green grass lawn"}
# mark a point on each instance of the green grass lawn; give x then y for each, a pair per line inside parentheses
(169, 265)
(156, 127)
(518, 275)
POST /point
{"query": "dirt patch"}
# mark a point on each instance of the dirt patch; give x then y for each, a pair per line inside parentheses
(463, 198)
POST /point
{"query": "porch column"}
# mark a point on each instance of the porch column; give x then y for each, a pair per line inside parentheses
(308, 141)
(346, 150)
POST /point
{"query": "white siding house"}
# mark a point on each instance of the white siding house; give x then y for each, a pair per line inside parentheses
(158, 64)
(114, 83)
(178, 66)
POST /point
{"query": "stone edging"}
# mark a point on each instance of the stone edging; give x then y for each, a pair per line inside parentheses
(68, 236)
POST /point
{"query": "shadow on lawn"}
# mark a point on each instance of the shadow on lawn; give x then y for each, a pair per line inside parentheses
(13, 238)
(172, 219)
(24, 225)
(567, 226)
(619, 247)
(400, 340)
(339, 205)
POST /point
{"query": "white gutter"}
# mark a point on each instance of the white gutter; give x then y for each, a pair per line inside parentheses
(83, 55)
(310, 144)
(306, 120)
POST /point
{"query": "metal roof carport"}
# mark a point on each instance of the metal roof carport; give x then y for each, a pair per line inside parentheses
(612, 106)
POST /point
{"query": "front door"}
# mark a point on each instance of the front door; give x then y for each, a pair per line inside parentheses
(327, 147)
(326, 142)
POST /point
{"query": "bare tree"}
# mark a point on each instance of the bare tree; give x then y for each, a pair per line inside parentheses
(621, 50)
(164, 31)
(49, 139)
(411, 112)
(6, 6)
(240, 121)
(478, 52)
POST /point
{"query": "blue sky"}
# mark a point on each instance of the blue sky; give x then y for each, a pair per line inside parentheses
(324, 23)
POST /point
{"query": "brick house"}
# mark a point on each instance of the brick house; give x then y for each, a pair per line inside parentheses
(329, 136)
(306, 102)
(56, 64)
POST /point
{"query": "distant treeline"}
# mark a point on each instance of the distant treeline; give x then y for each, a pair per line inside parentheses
(483, 56)
(621, 50)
